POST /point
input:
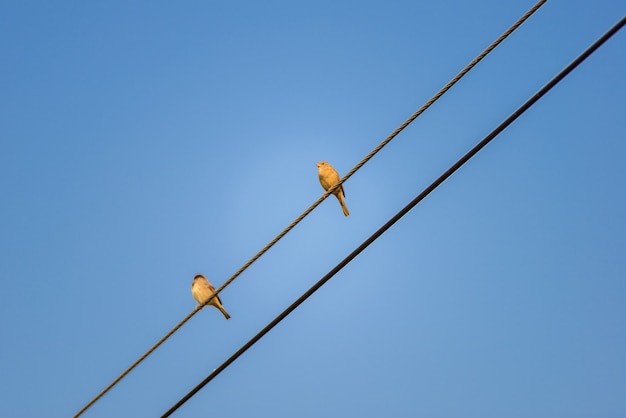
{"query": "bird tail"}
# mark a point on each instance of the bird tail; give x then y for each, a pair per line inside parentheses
(346, 212)
(221, 308)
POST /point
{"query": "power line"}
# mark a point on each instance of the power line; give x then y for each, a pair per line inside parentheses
(321, 199)
(404, 211)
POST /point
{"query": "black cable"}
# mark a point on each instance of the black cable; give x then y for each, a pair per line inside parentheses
(402, 212)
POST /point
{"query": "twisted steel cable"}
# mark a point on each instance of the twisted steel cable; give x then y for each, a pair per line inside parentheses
(321, 199)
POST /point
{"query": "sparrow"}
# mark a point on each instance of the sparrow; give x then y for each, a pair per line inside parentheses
(201, 289)
(328, 178)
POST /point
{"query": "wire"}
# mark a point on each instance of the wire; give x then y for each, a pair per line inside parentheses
(403, 212)
(321, 199)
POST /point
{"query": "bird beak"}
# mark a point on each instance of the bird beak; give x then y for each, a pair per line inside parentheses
(318, 164)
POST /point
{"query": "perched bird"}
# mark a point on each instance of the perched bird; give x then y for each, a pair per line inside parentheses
(201, 289)
(328, 178)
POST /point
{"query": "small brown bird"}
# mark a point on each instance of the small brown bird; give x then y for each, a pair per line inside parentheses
(328, 178)
(201, 289)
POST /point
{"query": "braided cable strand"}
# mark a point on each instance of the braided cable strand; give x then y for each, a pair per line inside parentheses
(139, 360)
(321, 199)
(382, 144)
(441, 92)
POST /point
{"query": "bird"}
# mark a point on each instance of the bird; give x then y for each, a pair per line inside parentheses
(201, 289)
(328, 178)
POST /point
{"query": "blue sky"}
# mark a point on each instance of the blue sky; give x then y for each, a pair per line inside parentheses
(145, 142)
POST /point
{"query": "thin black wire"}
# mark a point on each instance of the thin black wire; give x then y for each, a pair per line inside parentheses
(403, 212)
(320, 200)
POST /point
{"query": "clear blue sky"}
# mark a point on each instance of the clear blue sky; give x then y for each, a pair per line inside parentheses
(142, 143)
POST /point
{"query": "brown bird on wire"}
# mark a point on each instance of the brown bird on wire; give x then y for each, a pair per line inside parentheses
(328, 178)
(201, 289)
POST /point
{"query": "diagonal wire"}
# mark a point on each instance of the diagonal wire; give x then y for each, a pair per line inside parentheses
(321, 199)
(560, 76)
